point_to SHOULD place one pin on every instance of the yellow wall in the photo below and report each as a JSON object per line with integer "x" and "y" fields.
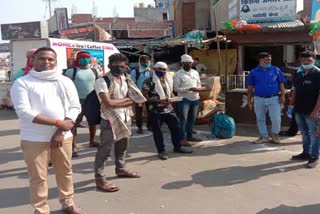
{"x": 210, "y": 59}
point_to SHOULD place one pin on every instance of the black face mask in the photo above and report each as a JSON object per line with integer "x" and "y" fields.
{"x": 117, "y": 70}
{"x": 186, "y": 67}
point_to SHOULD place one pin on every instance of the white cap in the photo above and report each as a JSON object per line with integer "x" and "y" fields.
{"x": 161, "y": 65}
{"x": 186, "y": 58}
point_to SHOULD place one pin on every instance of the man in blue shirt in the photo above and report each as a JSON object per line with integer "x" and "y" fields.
{"x": 265, "y": 82}
{"x": 138, "y": 76}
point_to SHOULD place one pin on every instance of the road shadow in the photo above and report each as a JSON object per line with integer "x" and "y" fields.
{"x": 214, "y": 148}
{"x": 234, "y": 175}
{"x": 11, "y": 154}
{"x": 283, "y": 209}
{"x": 9, "y": 132}
{"x": 21, "y": 194}
{"x": 8, "y": 114}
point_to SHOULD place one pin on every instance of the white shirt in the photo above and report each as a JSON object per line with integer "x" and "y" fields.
{"x": 122, "y": 87}
{"x": 32, "y": 96}
{"x": 183, "y": 81}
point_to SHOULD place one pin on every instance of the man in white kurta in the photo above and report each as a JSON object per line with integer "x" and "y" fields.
{"x": 47, "y": 105}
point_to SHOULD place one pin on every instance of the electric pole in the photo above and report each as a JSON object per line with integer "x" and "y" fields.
{"x": 50, "y": 8}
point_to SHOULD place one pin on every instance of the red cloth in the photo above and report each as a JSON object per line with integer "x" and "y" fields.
{"x": 79, "y": 56}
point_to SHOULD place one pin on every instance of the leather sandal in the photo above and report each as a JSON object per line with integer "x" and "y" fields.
{"x": 105, "y": 186}
{"x": 127, "y": 174}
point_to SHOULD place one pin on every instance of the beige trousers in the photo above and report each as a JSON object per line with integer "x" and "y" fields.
{"x": 37, "y": 156}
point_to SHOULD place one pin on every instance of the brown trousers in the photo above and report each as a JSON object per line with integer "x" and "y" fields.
{"x": 37, "y": 156}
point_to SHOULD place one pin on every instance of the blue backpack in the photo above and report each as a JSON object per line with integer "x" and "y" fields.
{"x": 222, "y": 126}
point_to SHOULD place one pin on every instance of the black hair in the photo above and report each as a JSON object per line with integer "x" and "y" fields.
{"x": 117, "y": 57}
{"x": 263, "y": 55}
{"x": 197, "y": 59}
{"x": 44, "y": 49}
{"x": 307, "y": 54}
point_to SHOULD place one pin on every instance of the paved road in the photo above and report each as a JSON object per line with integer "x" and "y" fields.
{"x": 221, "y": 176}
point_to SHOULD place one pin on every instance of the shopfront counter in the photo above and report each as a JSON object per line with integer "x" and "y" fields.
{"x": 235, "y": 107}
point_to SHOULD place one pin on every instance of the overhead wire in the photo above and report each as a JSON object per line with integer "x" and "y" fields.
{"x": 45, "y": 11}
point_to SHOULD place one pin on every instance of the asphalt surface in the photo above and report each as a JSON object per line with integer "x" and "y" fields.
{"x": 221, "y": 176}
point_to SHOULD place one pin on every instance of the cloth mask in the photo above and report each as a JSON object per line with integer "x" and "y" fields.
{"x": 145, "y": 65}
{"x": 117, "y": 70}
{"x": 84, "y": 61}
{"x": 187, "y": 67}
{"x": 267, "y": 65}
{"x": 160, "y": 73}
{"x": 307, "y": 66}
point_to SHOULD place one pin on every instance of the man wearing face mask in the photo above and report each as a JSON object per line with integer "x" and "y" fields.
{"x": 138, "y": 76}
{"x": 84, "y": 78}
{"x": 158, "y": 90}
{"x": 187, "y": 84}
{"x": 116, "y": 96}
{"x": 306, "y": 102}
{"x": 265, "y": 82}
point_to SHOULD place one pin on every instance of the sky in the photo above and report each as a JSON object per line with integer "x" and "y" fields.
{"x": 14, "y": 11}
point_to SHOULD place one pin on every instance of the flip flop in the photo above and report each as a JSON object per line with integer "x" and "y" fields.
{"x": 128, "y": 174}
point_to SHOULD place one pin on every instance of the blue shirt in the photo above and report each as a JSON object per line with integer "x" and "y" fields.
{"x": 265, "y": 82}
{"x": 84, "y": 81}
{"x": 142, "y": 77}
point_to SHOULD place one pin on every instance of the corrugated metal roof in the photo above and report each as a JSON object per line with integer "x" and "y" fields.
{"x": 280, "y": 26}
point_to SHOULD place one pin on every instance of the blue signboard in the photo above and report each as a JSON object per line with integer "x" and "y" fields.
{"x": 315, "y": 10}
{"x": 255, "y": 11}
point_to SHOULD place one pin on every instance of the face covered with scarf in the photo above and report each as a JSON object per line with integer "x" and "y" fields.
{"x": 186, "y": 62}
{"x": 83, "y": 59}
{"x": 117, "y": 68}
{"x": 160, "y": 69}
{"x": 29, "y": 64}
{"x": 144, "y": 63}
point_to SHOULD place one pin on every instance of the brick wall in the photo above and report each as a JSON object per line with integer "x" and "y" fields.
{"x": 81, "y": 18}
{"x": 146, "y": 33}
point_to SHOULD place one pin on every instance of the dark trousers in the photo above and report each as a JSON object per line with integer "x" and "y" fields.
{"x": 173, "y": 123}
{"x": 293, "y": 129}
{"x": 138, "y": 115}
{"x": 105, "y": 149}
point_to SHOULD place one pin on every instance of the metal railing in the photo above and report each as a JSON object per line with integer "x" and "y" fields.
{"x": 233, "y": 82}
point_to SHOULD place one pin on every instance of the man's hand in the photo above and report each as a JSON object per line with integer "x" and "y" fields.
{"x": 314, "y": 115}
{"x": 57, "y": 140}
{"x": 66, "y": 125}
{"x": 164, "y": 101}
{"x": 282, "y": 99}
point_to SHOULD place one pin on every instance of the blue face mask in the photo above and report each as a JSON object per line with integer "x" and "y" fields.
{"x": 160, "y": 73}
{"x": 307, "y": 66}
{"x": 267, "y": 65}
